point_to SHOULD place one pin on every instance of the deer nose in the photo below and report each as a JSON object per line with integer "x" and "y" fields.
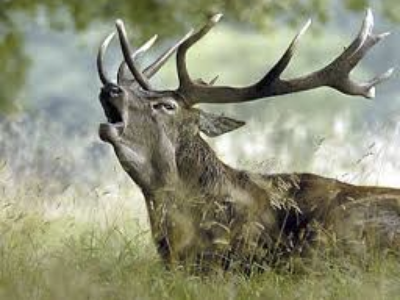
{"x": 115, "y": 91}
{"x": 111, "y": 90}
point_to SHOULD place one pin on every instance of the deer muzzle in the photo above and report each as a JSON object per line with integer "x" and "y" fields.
{"x": 112, "y": 98}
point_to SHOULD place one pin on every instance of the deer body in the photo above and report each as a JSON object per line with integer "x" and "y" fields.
{"x": 216, "y": 215}
{"x": 204, "y": 213}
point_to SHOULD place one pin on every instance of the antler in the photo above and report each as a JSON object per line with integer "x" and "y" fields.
{"x": 141, "y": 77}
{"x": 104, "y": 77}
{"x": 151, "y": 70}
{"x": 155, "y": 66}
{"x": 121, "y": 75}
{"x": 126, "y": 51}
{"x": 334, "y": 75}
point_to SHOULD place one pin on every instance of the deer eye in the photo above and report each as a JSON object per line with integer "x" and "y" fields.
{"x": 169, "y": 106}
{"x": 164, "y": 105}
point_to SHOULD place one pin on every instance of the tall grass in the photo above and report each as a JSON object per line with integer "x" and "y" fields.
{"x": 60, "y": 249}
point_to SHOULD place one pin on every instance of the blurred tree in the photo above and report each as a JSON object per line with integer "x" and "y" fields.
{"x": 14, "y": 65}
{"x": 166, "y": 17}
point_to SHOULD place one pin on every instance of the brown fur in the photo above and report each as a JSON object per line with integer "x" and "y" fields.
{"x": 221, "y": 216}
{"x": 205, "y": 214}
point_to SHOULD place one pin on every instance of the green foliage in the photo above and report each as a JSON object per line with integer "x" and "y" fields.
{"x": 172, "y": 14}
{"x": 13, "y": 70}
{"x": 167, "y": 18}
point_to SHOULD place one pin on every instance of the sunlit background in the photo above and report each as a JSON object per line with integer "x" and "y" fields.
{"x": 49, "y": 87}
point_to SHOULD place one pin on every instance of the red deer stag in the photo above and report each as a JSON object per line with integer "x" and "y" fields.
{"x": 204, "y": 213}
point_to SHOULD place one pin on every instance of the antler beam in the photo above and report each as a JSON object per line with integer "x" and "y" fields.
{"x": 335, "y": 75}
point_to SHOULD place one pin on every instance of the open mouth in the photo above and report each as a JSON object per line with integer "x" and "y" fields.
{"x": 110, "y": 98}
{"x": 115, "y": 125}
{"x": 112, "y": 113}
{"x": 112, "y": 101}
{"x": 115, "y": 120}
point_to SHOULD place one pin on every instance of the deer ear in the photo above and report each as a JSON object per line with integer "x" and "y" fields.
{"x": 214, "y": 125}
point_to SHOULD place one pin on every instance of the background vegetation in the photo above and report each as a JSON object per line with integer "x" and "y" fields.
{"x": 73, "y": 226}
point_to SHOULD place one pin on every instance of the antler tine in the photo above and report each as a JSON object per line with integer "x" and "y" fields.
{"x": 104, "y": 77}
{"x": 183, "y": 75}
{"x": 145, "y": 47}
{"x": 284, "y": 61}
{"x": 155, "y": 66}
{"x": 365, "y": 30}
{"x": 349, "y": 59}
{"x": 151, "y": 70}
{"x": 370, "y": 86}
{"x": 335, "y": 75}
{"x": 137, "y": 74}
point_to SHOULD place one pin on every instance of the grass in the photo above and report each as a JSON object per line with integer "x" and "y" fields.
{"x": 76, "y": 255}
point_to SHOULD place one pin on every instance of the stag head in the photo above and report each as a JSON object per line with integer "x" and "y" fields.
{"x": 146, "y": 126}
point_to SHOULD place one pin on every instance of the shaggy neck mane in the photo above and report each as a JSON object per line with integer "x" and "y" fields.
{"x": 199, "y": 166}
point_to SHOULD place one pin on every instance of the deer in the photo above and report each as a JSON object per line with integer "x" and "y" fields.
{"x": 206, "y": 215}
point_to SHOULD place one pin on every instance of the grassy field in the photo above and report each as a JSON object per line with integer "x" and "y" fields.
{"x": 62, "y": 248}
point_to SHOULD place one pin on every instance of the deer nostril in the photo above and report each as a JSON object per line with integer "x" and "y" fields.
{"x": 115, "y": 91}
{"x": 111, "y": 90}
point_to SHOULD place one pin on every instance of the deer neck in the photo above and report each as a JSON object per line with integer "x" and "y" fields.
{"x": 196, "y": 168}
{"x": 200, "y": 174}
{"x": 199, "y": 168}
